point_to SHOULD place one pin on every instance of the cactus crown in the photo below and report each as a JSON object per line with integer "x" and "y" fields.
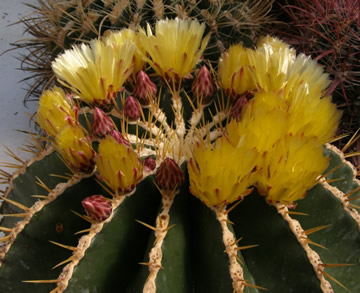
{"x": 249, "y": 152}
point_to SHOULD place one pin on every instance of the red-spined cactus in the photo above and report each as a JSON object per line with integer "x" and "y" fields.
{"x": 234, "y": 221}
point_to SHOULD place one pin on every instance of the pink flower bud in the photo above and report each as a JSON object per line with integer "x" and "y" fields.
{"x": 145, "y": 89}
{"x": 132, "y": 109}
{"x": 149, "y": 163}
{"x": 97, "y": 207}
{"x": 120, "y": 138}
{"x": 102, "y": 124}
{"x": 203, "y": 86}
{"x": 236, "y": 109}
{"x": 169, "y": 176}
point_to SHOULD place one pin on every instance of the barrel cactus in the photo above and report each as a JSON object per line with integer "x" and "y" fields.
{"x": 161, "y": 170}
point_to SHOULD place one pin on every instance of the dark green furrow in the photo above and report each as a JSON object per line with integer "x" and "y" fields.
{"x": 279, "y": 263}
{"x": 209, "y": 261}
{"x": 113, "y": 256}
{"x": 30, "y": 258}
{"x": 341, "y": 238}
{"x": 24, "y": 185}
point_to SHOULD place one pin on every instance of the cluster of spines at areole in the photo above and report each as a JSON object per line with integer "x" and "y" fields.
{"x": 262, "y": 132}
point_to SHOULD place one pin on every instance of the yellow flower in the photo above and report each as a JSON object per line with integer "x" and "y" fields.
{"x": 54, "y": 112}
{"x": 234, "y": 71}
{"x": 175, "y": 48}
{"x": 311, "y": 114}
{"x": 96, "y": 72}
{"x": 221, "y": 174}
{"x": 75, "y": 148}
{"x": 118, "y": 164}
{"x": 117, "y": 39}
{"x": 261, "y": 125}
{"x": 290, "y": 169}
{"x": 271, "y": 62}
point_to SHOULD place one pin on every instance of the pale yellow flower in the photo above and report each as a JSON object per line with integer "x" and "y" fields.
{"x": 96, "y": 72}
{"x": 74, "y": 146}
{"x": 222, "y": 173}
{"x": 271, "y": 62}
{"x": 263, "y": 123}
{"x": 175, "y": 48}
{"x": 291, "y": 168}
{"x": 54, "y": 112}
{"x": 118, "y": 164}
{"x": 117, "y": 39}
{"x": 234, "y": 71}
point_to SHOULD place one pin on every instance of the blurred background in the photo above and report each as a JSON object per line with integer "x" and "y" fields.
{"x": 12, "y": 110}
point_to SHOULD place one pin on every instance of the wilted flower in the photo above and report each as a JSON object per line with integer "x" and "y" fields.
{"x": 75, "y": 148}
{"x": 118, "y": 165}
{"x": 96, "y": 72}
{"x": 175, "y": 48}
{"x": 54, "y": 112}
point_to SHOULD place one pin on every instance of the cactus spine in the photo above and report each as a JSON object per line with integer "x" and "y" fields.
{"x": 220, "y": 189}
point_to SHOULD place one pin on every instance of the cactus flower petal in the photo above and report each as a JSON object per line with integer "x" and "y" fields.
{"x": 75, "y": 148}
{"x": 54, "y": 111}
{"x": 222, "y": 173}
{"x": 175, "y": 48}
{"x": 96, "y": 72}
{"x": 118, "y": 164}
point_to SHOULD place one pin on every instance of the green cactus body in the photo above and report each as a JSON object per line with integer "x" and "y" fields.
{"x": 217, "y": 207}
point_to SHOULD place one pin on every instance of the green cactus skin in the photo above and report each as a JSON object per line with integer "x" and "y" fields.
{"x": 176, "y": 244}
{"x": 193, "y": 257}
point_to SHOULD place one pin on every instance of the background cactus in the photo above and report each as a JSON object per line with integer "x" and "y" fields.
{"x": 157, "y": 235}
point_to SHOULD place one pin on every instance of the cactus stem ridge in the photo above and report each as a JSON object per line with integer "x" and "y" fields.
{"x": 162, "y": 227}
{"x": 85, "y": 242}
{"x": 53, "y": 194}
{"x": 231, "y": 248}
{"x": 301, "y": 236}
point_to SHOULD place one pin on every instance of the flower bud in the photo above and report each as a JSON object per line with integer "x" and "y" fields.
{"x": 118, "y": 165}
{"x": 203, "y": 86}
{"x": 120, "y": 138}
{"x": 132, "y": 109}
{"x": 102, "y": 124}
{"x": 169, "y": 176}
{"x": 236, "y": 109}
{"x": 75, "y": 148}
{"x": 149, "y": 163}
{"x": 145, "y": 89}
{"x": 97, "y": 207}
